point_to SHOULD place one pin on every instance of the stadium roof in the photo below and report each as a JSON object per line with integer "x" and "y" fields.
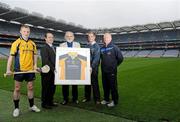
{"x": 22, "y": 16}
{"x": 35, "y": 19}
{"x": 142, "y": 28}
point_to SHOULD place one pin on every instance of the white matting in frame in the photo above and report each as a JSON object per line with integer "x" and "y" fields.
{"x": 72, "y": 66}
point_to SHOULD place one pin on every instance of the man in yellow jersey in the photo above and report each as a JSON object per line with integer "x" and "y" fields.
{"x": 24, "y": 53}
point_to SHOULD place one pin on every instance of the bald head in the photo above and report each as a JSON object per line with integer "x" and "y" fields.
{"x": 107, "y": 38}
{"x": 69, "y": 36}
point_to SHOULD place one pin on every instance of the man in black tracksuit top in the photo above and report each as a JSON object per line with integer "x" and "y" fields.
{"x": 111, "y": 58}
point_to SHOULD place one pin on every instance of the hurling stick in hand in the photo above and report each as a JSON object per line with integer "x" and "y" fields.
{"x": 44, "y": 69}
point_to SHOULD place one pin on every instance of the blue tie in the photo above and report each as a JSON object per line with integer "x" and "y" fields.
{"x": 69, "y": 44}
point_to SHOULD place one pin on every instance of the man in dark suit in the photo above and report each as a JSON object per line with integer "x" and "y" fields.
{"x": 47, "y": 80}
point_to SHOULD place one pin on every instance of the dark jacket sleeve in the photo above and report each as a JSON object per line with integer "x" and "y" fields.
{"x": 96, "y": 59}
{"x": 45, "y": 58}
{"x": 119, "y": 56}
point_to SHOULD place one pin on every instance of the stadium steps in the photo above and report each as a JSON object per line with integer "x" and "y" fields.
{"x": 125, "y": 53}
{"x": 135, "y": 55}
{"x": 4, "y": 55}
{"x": 148, "y": 53}
{"x": 163, "y": 53}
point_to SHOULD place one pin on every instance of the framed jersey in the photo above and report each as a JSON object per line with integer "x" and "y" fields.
{"x": 72, "y": 66}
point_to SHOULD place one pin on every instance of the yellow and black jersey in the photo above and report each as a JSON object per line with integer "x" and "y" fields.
{"x": 72, "y": 66}
{"x": 24, "y": 52}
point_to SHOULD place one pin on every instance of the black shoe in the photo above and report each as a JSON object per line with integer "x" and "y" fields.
{"x": 85, "y": 100}
{"x": 46, "y": 106}
{"x": 98, "y": 102}
{"x": 64, "y": 102}
{"x": 54, "y": 104}
{"x": 76, "y": 101}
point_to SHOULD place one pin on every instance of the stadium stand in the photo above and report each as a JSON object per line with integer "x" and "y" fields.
{"x": 131, "y": 53}
{"x": 156, "y": 53}
{"x": 171, "y": 53}
{"x": 4, "y": 51}
{"x": 124, "y": 52}
{"x": 143, "y": 53}
{"x": 2, "y": 56}
{"x": 150, "y": 40}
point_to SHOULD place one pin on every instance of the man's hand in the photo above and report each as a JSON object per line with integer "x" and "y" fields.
{"x": 9, "y": 72}
{"x": 9, "y": 63}
{"x": 91, "y": 70}
{"x": 55, "y": 71}
{"x": 35, "y": 67}
{"x": 38, "y": 69}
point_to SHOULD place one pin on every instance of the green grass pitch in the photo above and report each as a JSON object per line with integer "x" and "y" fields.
{"x": 149, "y": 90}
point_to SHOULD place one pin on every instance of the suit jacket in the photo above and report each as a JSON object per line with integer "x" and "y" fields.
{"x": 75, "y": 44}
{"x": 48, "y": 57}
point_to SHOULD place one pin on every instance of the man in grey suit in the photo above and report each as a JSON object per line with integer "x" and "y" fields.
{"x": 70, "y": 43}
